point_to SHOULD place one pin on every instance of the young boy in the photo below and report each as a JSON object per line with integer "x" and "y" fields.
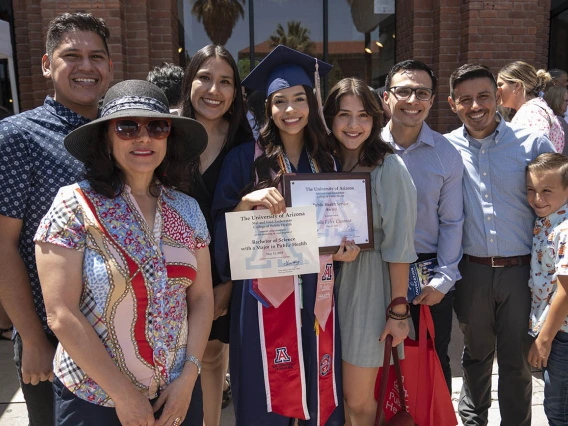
{"x": 547, "y": 193}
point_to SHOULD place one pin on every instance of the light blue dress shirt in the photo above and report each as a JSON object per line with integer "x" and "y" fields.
{"x": 436, "y": 168}
{"x": 498, "y": 218}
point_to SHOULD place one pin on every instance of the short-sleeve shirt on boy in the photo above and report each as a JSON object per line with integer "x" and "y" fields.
{"x": 548, "y": 261}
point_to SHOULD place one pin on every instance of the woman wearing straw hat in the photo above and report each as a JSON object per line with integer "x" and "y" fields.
{"x": 124, "y": 267}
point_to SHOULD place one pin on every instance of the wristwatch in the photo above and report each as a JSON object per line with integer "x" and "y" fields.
{"x": 197, "y": 363}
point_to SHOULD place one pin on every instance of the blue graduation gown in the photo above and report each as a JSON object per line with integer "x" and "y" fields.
{"x": 247, "y": 380}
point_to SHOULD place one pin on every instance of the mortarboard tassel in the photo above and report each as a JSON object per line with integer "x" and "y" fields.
{"x": 318, "y": 97}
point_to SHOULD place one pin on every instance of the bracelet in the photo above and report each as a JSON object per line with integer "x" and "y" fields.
{"x": 398, "y": 317}
{"x": 396, "y": 302}
{"x": 197, "y": 363}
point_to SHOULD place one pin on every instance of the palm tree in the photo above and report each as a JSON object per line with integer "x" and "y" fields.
{"x": 297, "y": 37}
{"x": 219, "y": 17}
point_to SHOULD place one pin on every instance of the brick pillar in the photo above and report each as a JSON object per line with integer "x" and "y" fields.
{"x": 447, "y": 33}
{"x": 27, "y": 14}
{"x": 144, "y": 33}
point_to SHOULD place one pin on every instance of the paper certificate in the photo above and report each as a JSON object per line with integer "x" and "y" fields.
{"x": 263, "y": 245}
{"x": 343, "y": 206}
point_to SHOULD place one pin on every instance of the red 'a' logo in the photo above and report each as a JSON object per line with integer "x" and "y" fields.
{"x": 282, "y": 356}
{"x": 327, "y": 272}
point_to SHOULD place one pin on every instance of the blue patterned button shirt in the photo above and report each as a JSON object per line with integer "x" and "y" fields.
{"x": 498, "y": 218}
{"x": 33, "y": 166}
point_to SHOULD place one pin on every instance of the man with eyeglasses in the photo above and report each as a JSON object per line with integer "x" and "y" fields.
{"x": 493, "y": 298}
{"x": 436, "y": 168}
{"x": 33, "y": 166}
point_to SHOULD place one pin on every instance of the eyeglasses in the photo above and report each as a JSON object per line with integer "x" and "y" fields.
{"x": 128, "y": 128}
{"x": 402, "y": 93}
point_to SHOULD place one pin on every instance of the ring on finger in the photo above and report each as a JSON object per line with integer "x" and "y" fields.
{"x": 177, "y": 421}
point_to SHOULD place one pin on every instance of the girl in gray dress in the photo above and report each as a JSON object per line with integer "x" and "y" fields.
{"x": 367, "y": 286}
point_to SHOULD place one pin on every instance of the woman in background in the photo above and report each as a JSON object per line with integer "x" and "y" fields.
{"x": 557, "y": 99}
{"x": 520, "y": 86}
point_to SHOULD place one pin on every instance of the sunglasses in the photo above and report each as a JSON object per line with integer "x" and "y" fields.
{"x": 128, "y": 128}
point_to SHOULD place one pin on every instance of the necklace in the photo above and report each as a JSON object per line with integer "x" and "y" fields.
{"x": 353, "y": 168}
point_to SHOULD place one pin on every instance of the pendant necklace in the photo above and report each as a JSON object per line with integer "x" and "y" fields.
{"x": 353, "y": 168}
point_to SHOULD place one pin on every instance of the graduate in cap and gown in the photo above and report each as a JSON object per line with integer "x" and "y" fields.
{"x": 285, "y": 355}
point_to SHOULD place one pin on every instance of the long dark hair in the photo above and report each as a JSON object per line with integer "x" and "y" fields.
{"x": 236, "y": 115}
{"x": 374, "y": 148}
{"x": 315, "y": 142}
{"x": 108, "y": 179}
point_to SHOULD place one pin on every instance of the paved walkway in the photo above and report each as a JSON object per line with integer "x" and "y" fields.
{"x": 13, "y": 409}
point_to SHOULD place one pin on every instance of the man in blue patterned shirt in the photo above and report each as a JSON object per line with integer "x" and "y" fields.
{"x": 493, "y": 299}
{"x": 33, "y": 166}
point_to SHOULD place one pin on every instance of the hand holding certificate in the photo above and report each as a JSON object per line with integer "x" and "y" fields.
{"x": 263, "y": 245}
{"x": 342, "y": 202}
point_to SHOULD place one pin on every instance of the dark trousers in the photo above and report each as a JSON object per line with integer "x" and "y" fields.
{"x": 442, "y": 316}
{"x": 70, "y": 410}
{"x": 39, "y": 398}
{"x": 493, "y": 306}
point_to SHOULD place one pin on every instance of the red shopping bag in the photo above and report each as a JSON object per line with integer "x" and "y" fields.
{"x": 426, "y": 394}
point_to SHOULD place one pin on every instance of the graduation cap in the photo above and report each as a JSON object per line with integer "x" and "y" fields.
{"x": 285, "y": 67}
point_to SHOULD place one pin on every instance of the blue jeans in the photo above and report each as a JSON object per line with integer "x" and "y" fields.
{"x": 556, "y": 382}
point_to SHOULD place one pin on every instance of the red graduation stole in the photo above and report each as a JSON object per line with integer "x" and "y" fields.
{"x": 279, "y": 318}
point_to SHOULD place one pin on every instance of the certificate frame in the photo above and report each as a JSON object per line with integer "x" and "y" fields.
{"x": 338, "y": 180}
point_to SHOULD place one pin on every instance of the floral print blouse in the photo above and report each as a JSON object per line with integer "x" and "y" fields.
{"x": 536, "y": 113}
{"x": 548, "y": 261}
{"x": 134, "y": 281}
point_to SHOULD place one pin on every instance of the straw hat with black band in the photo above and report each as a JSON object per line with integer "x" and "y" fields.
{"x": 137, "y": 98}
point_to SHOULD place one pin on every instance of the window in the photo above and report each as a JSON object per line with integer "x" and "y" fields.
{"x": 558, "y": 55}
{"x": 356, "y": 40}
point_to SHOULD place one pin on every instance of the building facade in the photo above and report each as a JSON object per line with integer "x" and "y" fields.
{"x": 361, "y": 38}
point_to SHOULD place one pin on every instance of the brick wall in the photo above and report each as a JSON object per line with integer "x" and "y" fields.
{"x": 448, "y": 33}
{"x": 144, "y": 33}
{"x": 442, "y": 33}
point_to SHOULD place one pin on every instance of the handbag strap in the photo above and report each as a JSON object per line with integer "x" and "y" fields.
{"x": 389, "y": 350}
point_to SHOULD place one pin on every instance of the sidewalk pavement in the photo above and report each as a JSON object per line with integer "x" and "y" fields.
{"x": 13, "y": 409}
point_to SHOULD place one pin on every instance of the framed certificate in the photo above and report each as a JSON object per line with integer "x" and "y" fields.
{"x": 343, "y": 206}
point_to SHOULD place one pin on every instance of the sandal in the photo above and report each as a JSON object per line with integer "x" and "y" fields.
{"x": 6, "y": 330}
{"x": 227, "y": 393}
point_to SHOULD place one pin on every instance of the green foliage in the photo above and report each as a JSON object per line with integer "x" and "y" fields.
{"x": 219, "y": 17}
{"x": 297, "y": 37}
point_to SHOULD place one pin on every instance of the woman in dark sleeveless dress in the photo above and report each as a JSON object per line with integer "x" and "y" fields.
{"x": 212, "y": 95}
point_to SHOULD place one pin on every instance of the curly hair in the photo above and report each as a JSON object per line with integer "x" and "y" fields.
{"x": 315, "y": 142}
{"x": 107, "y": 178}
{"x": 169, "y": 78}
{"x": 374, "y": 148}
